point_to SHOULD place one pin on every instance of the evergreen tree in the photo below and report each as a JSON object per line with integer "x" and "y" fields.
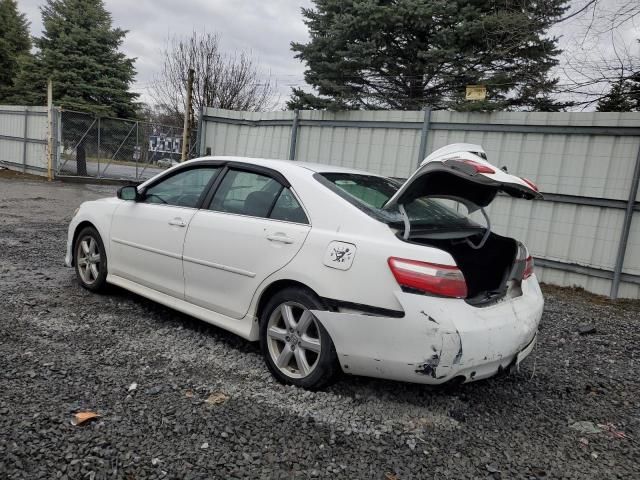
{"x": 79, "y": 51}
{"x": 407, "y": 54}
{"x": 15, "y": 46}
{"x": 624, "y": 95}
{"x": 618, "y": 99}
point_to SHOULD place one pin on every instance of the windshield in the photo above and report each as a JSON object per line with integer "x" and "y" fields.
{"x": 369, "y": 193}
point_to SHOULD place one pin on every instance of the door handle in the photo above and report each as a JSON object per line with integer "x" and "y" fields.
{"x": 280, "y": 238}
{"x": 178, "y": 222}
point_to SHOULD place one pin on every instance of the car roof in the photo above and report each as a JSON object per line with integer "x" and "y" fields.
{"x": 286, "y": 165}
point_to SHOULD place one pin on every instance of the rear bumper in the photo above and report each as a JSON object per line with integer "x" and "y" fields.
{"x": 438, "y": 339}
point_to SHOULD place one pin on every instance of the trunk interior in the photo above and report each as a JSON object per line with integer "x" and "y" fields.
{"x": 486, "y": 270}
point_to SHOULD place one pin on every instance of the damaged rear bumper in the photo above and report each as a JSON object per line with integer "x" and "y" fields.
{"x": 438, "y": 339}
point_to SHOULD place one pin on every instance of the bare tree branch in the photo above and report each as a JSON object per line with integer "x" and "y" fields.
{"x": 226, "y": 81}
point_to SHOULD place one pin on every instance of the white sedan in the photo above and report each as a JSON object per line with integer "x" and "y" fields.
{"x": 329, "y": 268}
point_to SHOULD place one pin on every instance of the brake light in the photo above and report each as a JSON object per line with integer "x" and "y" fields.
{"x": 528, "y": 267}
{"x": 442, "y": 280}
{"x": 479, "y": 167}
{"x": 530, "y": 183}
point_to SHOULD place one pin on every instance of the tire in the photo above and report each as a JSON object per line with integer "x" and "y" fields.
{"x": 90, "y": 260}
{"x": 296, "y": 347}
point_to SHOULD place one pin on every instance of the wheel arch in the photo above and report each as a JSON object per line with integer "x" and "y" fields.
{"x": 276, "y": 286}
{"x": 76, "y": 232}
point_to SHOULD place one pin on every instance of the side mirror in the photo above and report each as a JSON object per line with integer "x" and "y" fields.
{"x": 128, "y": 192}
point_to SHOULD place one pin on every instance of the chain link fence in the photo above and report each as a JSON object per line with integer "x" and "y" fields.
{"x": 114, "y": 148}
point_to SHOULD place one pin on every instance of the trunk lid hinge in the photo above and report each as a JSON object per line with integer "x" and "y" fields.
{"x": 407, "y": 223}
{"x": 486, "y": 233}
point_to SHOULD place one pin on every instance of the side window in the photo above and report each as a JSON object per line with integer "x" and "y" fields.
{"x": 288, "y": 209}
{"x": 182, "y": 189}
{"x": 246, "y": 193}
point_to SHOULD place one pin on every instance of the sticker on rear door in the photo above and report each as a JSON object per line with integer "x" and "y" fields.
{"x": 340, "y": 255}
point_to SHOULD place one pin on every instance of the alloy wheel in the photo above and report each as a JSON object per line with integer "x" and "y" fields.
{"x": 88, "y": 258}
{"x": 293, "y": 340}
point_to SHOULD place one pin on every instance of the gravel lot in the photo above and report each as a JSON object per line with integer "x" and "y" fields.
{"x": 64, "y": 350}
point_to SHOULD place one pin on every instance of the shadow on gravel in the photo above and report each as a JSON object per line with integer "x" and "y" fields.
{"x": 356, "y": 388}
{"x": 167, "y": 317}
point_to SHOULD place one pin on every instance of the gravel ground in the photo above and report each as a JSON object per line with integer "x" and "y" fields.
{"x": 64, "y": 350}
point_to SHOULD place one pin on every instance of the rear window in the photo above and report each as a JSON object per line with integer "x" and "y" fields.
{"x": 369, "y": 193}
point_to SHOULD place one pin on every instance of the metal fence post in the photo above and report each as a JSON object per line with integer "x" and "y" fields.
{"x": 50, "y": 130}
{"x": 56, "y": 140}
{"x": 139, "y": 154}
{"x": 294, "y": 135}
{"x": 25, "y": 139}
{"x": 424, "y": 135}
{"x": 626, "y": 226}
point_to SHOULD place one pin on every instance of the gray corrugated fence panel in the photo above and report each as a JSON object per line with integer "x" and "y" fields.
{"x": 23, "y": 138}
{"x": 270, "y": 139}
{"x": 567, "y": 233}
{"x": 584, "y": 162}
{"x": 581, "y": 165}
{"x": 390, "y": 152}
{"x": 626, "y": 227}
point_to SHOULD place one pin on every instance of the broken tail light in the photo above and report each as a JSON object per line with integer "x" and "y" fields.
{"x": 442, "y": 280}
{"x": 530, "y": 183}
{"x": 528, "y": 267}
{"x": 479, "y": 167}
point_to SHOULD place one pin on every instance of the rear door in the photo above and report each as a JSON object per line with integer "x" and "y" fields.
{"x": 462, "y": 173}
{"x": 251, "y": 227}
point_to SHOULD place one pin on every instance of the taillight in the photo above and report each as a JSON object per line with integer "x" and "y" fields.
{"x": 431, "y": 278}
{"x": 528, "y": 267}
{"x": 530, "y": 183}
{"x": 479, "y": 167}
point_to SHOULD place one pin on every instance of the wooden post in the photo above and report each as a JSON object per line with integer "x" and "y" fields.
{"x": 186, "y": 134}
{"x": 50, "y": 130}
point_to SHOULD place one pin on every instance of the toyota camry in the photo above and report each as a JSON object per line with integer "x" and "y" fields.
{"x": 330, "y": 269}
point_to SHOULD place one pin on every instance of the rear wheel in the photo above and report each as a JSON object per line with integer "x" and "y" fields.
{"x": 90, "y": 260}
{"x": 296, "y": 347}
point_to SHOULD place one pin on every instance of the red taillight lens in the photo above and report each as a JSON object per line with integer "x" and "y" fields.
{"x": 528, "y": 267}
{"x": 530, "y": 183}
{"x": 429, "y": 277}
{"x": 479, "y": 167}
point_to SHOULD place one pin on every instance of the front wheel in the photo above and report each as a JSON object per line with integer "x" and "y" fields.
{"x": 90, "y": 260}
{"x": 296, "y": 347}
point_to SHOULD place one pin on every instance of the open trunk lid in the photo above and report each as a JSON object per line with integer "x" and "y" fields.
{"x": 461, "y": 172}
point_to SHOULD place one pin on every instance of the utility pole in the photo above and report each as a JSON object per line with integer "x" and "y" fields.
{"x": 186, "y": 134}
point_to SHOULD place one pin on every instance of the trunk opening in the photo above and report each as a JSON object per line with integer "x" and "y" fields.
{"x": 486, "y": 270}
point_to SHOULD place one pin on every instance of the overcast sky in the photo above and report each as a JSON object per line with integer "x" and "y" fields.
{"x": 266, "y": 28}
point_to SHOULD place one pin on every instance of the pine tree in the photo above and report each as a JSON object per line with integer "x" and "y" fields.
{"x": 623, "y": 96}
{"x": 80, "y": 51}
{"x": 408, "y": 54}
{"x": 15, "y": 46}
{"x": 618, "y": 99}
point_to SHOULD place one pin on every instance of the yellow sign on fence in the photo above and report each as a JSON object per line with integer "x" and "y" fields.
{"x": 476, "y": 92}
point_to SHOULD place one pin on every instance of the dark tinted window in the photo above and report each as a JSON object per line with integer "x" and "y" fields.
{"x": 246, "y": 193}
{"x": 370, "y": 193}
{"x": 288, "y": 209}
{"x": 182, "y": 189}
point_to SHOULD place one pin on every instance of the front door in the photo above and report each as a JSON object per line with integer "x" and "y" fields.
{"x": 147, "y": 236}
{"x": 253, "y": 226}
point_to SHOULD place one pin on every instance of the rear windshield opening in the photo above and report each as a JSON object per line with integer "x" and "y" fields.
{"x": 369, "y": 193}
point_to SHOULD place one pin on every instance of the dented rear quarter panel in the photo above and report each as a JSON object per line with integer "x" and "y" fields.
{"x": 437, "y": 339}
